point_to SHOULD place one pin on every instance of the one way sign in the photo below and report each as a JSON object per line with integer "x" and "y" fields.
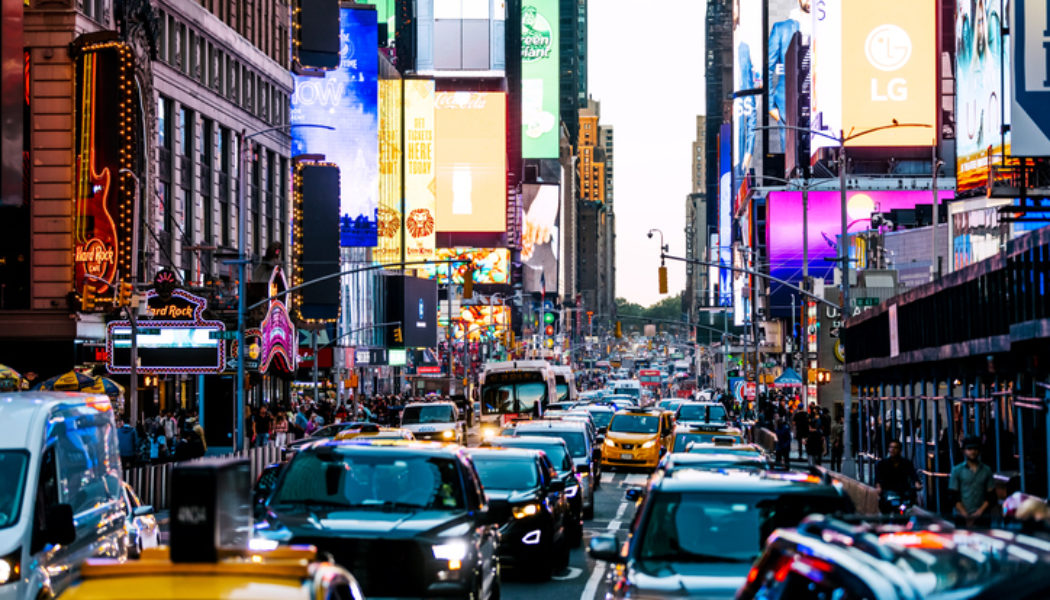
{"x": 1030, "y": 83}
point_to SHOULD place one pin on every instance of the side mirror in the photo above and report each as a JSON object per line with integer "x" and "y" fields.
{"x": 143, "y": 511}
{"x": 605, "y": 548}
{"x": 634, "y": 494}
{"x": 557, "y": 485}
{"x": 58, "y": 524}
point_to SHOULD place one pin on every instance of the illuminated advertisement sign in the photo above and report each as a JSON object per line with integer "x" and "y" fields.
{"x": 980, "y": 92}
{"x": 747, "y": 75}
{"x": 388, "y": 250}
{"x": 539, "y": 244}
{"x": 491, "y": 265}
{"x": 413, "y": 302}
{"x": 1030, "y": 81}
{"x": 481, "y": 323}
{"x": 420, "y": 182}
{"x": 346, "y": 99}
{"x": 539, "y": 79}
{"x": 875, "y": 63}
{"x": 786, "y": 18}
{"x": 471, "y": 161}
{"x": 278, "y": 334}
{"x": 102, "y": 195}
{"x": 784, "y": 224}
{"x": 725, "y": 215}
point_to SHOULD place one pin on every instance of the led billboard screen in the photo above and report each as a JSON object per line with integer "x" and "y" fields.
{"x": 785, "y": 18}
{"x": 725, "y": 214}
{"x": 315, "y": 241}
{"x": 420, "y": 182}
{"x": 747, "y": 75}
{"x": 784, "y": 224}
{"x": 1030, "y": 80}
{"x": 167, "y": 348}
{"x": 413, "y": 302}
{"x": 388, "y": 249}
{"x": 481, "y": 323}
{"x": 539, "y": 79}
{"x": 539, "y": 244}
{"x": 491, "y": 265}
{"x": 471, "y": 161}
{"x": 346, "y": 99}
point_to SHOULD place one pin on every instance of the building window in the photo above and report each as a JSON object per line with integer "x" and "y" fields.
{"x": 186, "y": 146}
{"x": 282, "y": 203}
{"x": 164, "y": 154}
{"x": 222, "y": 150}
{"x": 271, "y": 183}
{"x": 256, "y": 211}
{"x": 207, "y": 157}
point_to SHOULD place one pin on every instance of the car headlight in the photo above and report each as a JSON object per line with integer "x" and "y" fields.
{"x": 489, "y": 432}
{"x": 454, "y": 550}
{"x": 571, "y": 491}
{"x": 448, "y": 434}
{"x": 520, "y": 512}
{"x": 610, "y": 443}
{"x": 649, "y": 444}
{"x": 10, "y": 567}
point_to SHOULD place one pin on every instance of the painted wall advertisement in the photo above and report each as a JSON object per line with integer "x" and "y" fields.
{"x": 539, "y": 79}
{"x": 471, "y": 161}
{"x": 539, "y": 245}
{"x": 420, "y": 178}
{"x": 1030, "y": 100}
{"x": 347, "y": 100}
{"x": 747, "y": 75}
{"x": 388, "y": 249}
{"x": 981, "y": 95}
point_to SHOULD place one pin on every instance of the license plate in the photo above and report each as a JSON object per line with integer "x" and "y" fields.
{"x": 627, "y": 456}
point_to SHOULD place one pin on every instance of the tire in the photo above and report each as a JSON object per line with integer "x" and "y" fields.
{"x": 563, "y": 554}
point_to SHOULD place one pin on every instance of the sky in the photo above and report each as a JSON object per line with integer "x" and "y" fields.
{"x": 650, "y": 82}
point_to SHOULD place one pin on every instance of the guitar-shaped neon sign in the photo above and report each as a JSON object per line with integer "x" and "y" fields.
{"x": 95, "y": 234}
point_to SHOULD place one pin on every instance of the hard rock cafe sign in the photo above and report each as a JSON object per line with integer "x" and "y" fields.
{"x": 278, "y": 336}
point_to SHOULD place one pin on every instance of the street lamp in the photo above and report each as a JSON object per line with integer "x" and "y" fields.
{"x": 242, "y": 261}
{"x": 133, "y": 387}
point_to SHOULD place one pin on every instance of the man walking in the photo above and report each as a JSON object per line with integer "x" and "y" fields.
{"x": 971, "y": 481}
{"x": 801, "y": 430}
{"x": 783, "y": 447}
{"x": 895, "y": 474}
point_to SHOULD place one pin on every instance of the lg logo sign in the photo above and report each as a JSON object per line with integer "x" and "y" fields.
{"x": 888, "y": 49}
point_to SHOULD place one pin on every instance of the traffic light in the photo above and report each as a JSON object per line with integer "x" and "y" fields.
{"x": 87, "y": 298}
{"x": 124, "y": 294}
{"x": 468, "y": 283}
{"x": 619, "y": 330}
{"x": 823, "y": 376}
{"x": 663, "y": 279}
{"x": 397, "y": 335}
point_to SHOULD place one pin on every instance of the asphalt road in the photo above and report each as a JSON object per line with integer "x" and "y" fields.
{"x": 585, "y": 579}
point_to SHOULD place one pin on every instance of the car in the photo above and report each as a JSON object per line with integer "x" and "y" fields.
{"x": 140, "y": 523}
{"x": 701, "y": 413}
{"x": 679, "y": 460}
{"x": 670, "y": 404}
{"x": 728, "y": 446}
{"x": 525, "y": 491}
{"x": 560, "y": 406}
{"x": 328, "y": 432}
{"x": 620, "y": 401}
{"x": 917, "y": 557}
{"x": 557, "y": 452}
{"x": 601, "y": 414}
{"x": 61, "y": 498}
{"x": 696, "y": 533}
{"x": 585, "y": 456}
{"x": 685, "y": 434}
{"x": 437, "y": 421}
{"x": 406, "y": 518}
{"x": 637, "y": 438}
{"x": 377, "y": 433}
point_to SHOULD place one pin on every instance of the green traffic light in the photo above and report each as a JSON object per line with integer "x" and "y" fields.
{"x": 548, "y": 317}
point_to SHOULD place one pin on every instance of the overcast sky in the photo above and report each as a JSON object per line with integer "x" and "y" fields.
{"x": 645, "y": 65}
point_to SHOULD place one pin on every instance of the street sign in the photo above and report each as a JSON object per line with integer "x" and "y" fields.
{"x": 865, "y": 301}
{"x": 223, "y": 335}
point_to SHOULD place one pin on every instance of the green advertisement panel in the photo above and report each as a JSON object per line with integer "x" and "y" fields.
{"x": 539, "y": 79}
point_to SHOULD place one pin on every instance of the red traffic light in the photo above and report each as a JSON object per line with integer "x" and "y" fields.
{"x": 549, "y": 330}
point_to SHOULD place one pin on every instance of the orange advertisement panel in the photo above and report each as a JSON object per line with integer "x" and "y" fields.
{"x": 388, "y": 248}
{"x": 889, "y": 71}
{"x": 471, "y": 161}
{"x": 420, "y": 178}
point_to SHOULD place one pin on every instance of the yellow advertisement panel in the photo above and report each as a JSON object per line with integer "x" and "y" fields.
{"x": 471, "y": 161}
{"x": 388, "y": 250}
{"x": 420, "y": 178}
{"x": 889, "y": 71}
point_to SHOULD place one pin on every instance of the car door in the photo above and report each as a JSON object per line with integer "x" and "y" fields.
{"x": 488, "y": 534}
{"x": 556, "y": 500}
{"x": 666, "y": 432}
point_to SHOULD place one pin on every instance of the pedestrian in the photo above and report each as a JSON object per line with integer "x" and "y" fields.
{"x": 815, "y": 443}
{"x": 280, "y": 429}
{"x": 837, "y": 444}
{"x": 170, "y": 425}
{"x": 128, "y": 443}
{"x": 801, "y": 430}
{"x": 971, "y": 481}
{"x": 783, "y": 445}
{"x": 263, "y": 426}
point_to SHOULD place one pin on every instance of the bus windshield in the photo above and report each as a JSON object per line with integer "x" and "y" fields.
{"x": 562, "y": 390}
{"x": 517, "y": 395}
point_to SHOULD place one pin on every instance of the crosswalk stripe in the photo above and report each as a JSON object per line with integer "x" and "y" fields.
{"x": 636, "y": 479}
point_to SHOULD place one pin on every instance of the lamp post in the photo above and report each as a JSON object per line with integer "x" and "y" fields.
{"x": 242, "y": 261}
{"x": 133, "y": 386}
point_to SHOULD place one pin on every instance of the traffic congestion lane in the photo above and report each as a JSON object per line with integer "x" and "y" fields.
{"x": 585, "y": 579}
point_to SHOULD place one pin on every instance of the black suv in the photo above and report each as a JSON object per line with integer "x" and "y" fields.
{"x": 897, "y": 559}
{"x": 697, "y": 532}
{"x": 525, "y": 492}
{"x": 406, "y": 518}
{"x": 585, "y": 455}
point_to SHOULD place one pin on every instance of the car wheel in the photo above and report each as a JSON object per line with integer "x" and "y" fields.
{"x": 563, "y": 553}
{"x": 544, "y": 567}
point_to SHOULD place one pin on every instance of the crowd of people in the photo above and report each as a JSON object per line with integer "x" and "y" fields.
{"x": 170, "y": 436}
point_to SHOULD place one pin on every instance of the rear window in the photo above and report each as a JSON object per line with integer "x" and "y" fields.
{"x": 556, "y": 452}
{"x": 573, "y": 439}
{"x": 504, "y": 474}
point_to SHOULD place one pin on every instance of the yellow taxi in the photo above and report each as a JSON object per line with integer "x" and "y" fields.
{"x": 685, "y": 434}
{"x": 377, "y": 433}
{"x": 284, "y": 573}
{"x": 638, "y": 437}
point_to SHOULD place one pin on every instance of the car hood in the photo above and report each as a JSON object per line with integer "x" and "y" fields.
{"x": 342, "y": 522}
{"x": 428, "y": 427}
{"x": 706, "y": 581}
{"x": 630, "y": 438}
{"x": 510, "y": 496}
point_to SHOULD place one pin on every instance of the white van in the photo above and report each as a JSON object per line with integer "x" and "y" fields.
{"x": 60, "y": 490}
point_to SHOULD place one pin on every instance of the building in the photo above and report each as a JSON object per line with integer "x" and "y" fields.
{"x": 573, "y": 68}
{"x": 607, "y": 296}
{"x": 697, "y": 228}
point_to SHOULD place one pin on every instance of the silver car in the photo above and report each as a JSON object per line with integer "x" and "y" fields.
{"x": 140, "y": 523}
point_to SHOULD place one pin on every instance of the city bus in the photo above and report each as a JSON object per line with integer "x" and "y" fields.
{"x": 565, "y": 384}
{"x": 514, "y": 390}
{"x": 651, "y": 379}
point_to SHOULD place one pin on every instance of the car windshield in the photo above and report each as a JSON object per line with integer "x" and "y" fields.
{"x": 707, "y": 413}
{"x": 669, "y": 404}
{"x": 556, "y": 452}
{"x": 13, "y": 465}
{"x": 340, "y": 478}
{"x": 439, "y": 413}
{"x": 513, "y": 398}
{"x": 634, "y": 424}
{"x": 504, "y": 474}
{"x": 601, "y": 418}
{"x": 722, "y": 527}
{"x": 573, "y": 439}
{"x": 329, "y": 431}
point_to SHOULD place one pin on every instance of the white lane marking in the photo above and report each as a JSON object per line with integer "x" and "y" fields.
{"x": 636, "y": 479}
{"x": 616, "y": 523}
{"x": 620, "y": 510}
{"x": 608, "y": 476}
{"x": 591, "y": 589}
{"x": 572, "y": 574}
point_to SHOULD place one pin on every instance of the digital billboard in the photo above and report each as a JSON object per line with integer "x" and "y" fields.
{"x": 481, "y": 323}
{"x": 315, "y": 240}
{"x": 388, "y": 249}
{"x": 725, "y": 215}
{"x": 747, "y": 75}
{"x": 982, "y": 91}
{"x": 786, "y": 18}
{"x": 471, "y": 161}
{"x": 412, "y": 302}
{"x": 1030, "y": 80}
{"x": 882, "y": 58}
{"x": 539, "y": 79}
{"x": 346, "y": 99}
{"x": 539, "y": 242}
{"x": 491, "y": 265}
{"x": 420, "y": 178}
{"x": 784, "y": 224}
